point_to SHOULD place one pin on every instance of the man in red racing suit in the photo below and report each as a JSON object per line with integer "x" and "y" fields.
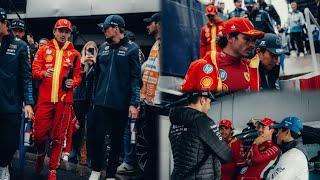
{"x": 235, "y": 72}
{"x": 229, "y": 170}
{"x": 210, "y": 32}
{"x": 51, "y": 65}
{"x": 262, "y": 154}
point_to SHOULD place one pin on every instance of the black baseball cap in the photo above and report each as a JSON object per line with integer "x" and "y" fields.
{"x": 249, "y": 2}
{"x": 3, "y": 14}
{"x": 18, "y": 24}
{"x": 156, "y": 17}
{"x": 113, "y": 20}
{"x": 272, "y": 43}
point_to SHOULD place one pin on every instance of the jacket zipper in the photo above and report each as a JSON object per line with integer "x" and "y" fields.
{"x": 105, "y": 97}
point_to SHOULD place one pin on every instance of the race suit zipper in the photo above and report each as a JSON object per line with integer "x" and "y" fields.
{"x": 105, "y": 97}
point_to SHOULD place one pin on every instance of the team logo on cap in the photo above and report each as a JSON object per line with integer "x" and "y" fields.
{"x": 206, "y": 82}
{"x": 233, "y": 28}
{"x": 246, "y": 76}
{"x": 223, "y": 74}
{"x": 263, "y": 43}
{"x": 207, "y": 68}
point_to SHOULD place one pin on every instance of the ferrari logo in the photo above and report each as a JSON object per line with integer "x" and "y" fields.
{"x": 246, "y": 76}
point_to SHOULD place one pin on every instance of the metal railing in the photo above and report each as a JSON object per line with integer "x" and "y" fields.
{"x": 309, "y": 18}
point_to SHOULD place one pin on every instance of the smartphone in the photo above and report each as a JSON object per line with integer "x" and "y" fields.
{"x": 91, "y": 50}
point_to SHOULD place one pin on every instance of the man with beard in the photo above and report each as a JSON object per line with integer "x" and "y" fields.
{"x": 269, "y": 49}
{"x": 229, "y": 170}
{"x": 269, "y": 8}
{"x": 238, "y": 11}
{"x": 197, "y": 145}
{"x": 293, "y": 162}
{"x": 210, "y": 31}
{"x": 262, "y": 153}
{"x": 15, "y": 89}
{"x": 54, "y": 112}
{"x": 236, "y": 72}
{"x": 116, "y": 94}
{"x": 259, "y": 18}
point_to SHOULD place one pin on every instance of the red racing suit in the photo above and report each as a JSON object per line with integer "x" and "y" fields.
{"x": 209, "y": 36}
{"x": 238, "y": 74}
{"x": 53, "y": 112}
{"x": 259, "y": 159}
{"x": 229, "y": 170}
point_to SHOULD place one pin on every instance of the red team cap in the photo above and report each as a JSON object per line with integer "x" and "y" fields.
{"x": 200, "y": 78}
{"x": 63, "y": 23}
{"x": 226, "y": 123}
{"x": 211, "y": 10}
{"x": 266, "y": 122}
{"x": 243, "y": 26}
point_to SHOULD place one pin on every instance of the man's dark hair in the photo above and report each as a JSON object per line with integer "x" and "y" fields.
{"x": 193, "y": 99}
{"x": 223, "y": 40}
{"x": 234, "y": 1}
{"x": 293, "y": 134}
{"x": 121, "y": 29}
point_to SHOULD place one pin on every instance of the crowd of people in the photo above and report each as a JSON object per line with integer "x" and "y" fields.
{"x": 293, "y": 32}
{"x": 78, "y": 102}
{"x": 239, "y": 51}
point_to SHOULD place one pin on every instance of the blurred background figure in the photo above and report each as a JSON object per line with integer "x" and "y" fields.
{"x": 238, "y": 11}
{"x": 296, "y": 22}
{"x": 83, "y": 102}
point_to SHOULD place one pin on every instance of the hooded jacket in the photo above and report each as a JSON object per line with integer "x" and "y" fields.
{"x": 197, "y": 145}
{"x": 61, "y": 60}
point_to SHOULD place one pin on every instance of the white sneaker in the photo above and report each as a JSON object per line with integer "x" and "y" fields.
{"x": 293, "y": 53}
{"x": 4, "y": 173}
{"x": 95, "y": 175}
{"x": 110, "y": 178}
{"x": 125, "y": 168}
{"x": 301, "y": 54}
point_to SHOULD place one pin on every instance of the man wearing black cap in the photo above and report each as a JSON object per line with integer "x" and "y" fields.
{"x": 259, "y": 18}
{"x": 238, "y": 11}
{"x": 269, "y": 8}
{"x": 18, "y": 28}
{"x": 116, "y": 94}
{"x": 197, "y": 145}
{"x": 15, "y": 89}
{"x": 269, "y": 49}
